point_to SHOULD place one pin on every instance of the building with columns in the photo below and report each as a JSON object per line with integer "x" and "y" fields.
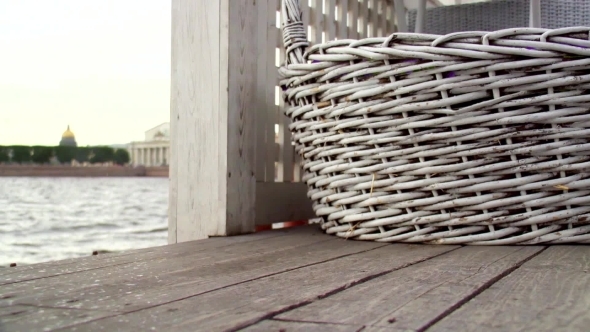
{"x": 154, "y": 150}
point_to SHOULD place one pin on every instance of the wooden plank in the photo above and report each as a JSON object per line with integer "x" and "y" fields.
{"x": 319, "y": 22}
{"x": 30, "y": 318}
{"x": 353, "y": 8}
{"x": 245, "y": 304}
{"x": 306, "y": 14}
{"x": 551, "y": 292}
{"x": 73, "y": 265}
{"x": 409, "y": 299}
{"x": 373, "y": 20}
{"x": 385, "y": 14}
{"x": 420, "y": 17}
{"x": 342, "y": 20}
{"x": 277, "y": 325}
{"x": 390, "y": 24}
{"x": 400, "y": 15}
{"x": 196, "y": 252}
{"x": 144, "y": 284}
{"x": 266, "y": 53}
{"x": 285, "y": 169}
{"x": 364, "y": 16}
{"x": 213, "y": 93}
{"x": 238, "y": 80}
{"x": 173, "y": 172}
{"x": 330, "y": 20}
{"x": 273, "y": 34}
{"x": 282, "y": 201}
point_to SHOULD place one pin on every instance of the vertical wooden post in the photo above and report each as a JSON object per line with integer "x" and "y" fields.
{"x": 421, "y": 17}
{"x": 213, "y": 105}
{"x": 400, "y": 15}
{"x": 535, "y": 14}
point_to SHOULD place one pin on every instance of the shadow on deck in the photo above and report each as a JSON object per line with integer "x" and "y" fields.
{"x": 299, "y": 279}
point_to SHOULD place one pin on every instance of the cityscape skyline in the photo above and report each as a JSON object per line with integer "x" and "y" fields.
{"x": 101, "y": 67}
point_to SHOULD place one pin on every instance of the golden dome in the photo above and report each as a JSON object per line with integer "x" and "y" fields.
{"x": 67, "y": 133}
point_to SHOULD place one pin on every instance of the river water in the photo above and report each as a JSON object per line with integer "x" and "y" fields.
{"x": 45, "y": 219}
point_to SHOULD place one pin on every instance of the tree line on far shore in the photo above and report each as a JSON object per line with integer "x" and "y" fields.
{"x": 20, "y": 154}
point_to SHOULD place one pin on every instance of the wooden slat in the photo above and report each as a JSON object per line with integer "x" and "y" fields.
{"x": 311, "y": 35}
{"x": 30, "y": 318}
{"x": 306, "y": 13}
{"x": 385, "y": 14}
{"x": 343, "y": 16}
{"x": 318, "y": 23}
{"x": 166, "y": 279}
{"x": 330, "y": 20}
{"x": 272, "y": 33}
{"x": 382, "y": 21}
{"x": 74, "y": 265}
{"x": 173, "y": 165}
{"x": 411, "y": 298}
{"x": 373, "y": 17}
{"x": 353, "y": 6}
{"x": 285, "y": 171}
{"x": 551, "y": 292}
{"x": 420, "y": 17}
{"x": 215, "y": 132}
{"x": 364, "y": 15}
{"x": 282, "y": 201}
{"x": 400, "y": 15}
{"x": 245, "y": 304}
{"x": 265, "y": 54}
{"x": 277, "y": 325}
{"x": 390, "y": 24}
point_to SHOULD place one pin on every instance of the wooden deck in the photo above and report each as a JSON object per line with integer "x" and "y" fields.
{"x": 302, "y": 280}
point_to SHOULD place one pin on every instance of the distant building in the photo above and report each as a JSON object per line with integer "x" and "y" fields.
{"x": 154, "y": 150}
{"x": 68, "y": 138}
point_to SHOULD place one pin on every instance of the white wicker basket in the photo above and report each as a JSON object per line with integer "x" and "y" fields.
{"x": 477, "y": 138}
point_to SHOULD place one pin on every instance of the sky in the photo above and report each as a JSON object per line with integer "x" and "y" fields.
{"x": 100, "y": 66}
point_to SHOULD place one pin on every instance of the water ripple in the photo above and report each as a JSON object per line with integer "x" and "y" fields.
{"x": 44, "y": 219}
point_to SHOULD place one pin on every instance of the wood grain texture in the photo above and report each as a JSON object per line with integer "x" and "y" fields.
{"x": 261, "y": 87}
{"x": 134, "y": 286}
{"x": 245, "y": 304}
{"x": 74, "y": 265}
{"x": 412, "y": 297}
{"x": 213, "y": 97}
{"x": 240, "y": 81}
{"x": 551, "y": 292}
{"x": 285, "y": 169}
{"x": 22, "y": 318}
{"x": 302, "y": 279}
{"x": 276, "y": 326}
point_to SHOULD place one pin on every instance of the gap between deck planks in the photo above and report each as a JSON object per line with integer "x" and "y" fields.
{"x": 415, "y": 297}
{"x": 302, "y": 281}
{"x": 125, "y": 288}
{"x": 73, "y": 265}
{"x": 548, "y": 293}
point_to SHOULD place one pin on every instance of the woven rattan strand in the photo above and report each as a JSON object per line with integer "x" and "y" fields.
{"x": 476, "y": 138}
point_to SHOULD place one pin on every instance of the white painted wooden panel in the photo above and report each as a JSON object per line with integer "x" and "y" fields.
{"x": 225, "y": 107}
{"x": 326, "y": 20}
{"x": 213, "y": 97}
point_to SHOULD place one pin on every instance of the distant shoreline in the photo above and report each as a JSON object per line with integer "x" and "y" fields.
{"x": 81, "y": 171}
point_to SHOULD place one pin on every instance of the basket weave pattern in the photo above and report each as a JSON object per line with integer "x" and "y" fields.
{"x": 466, "y": 138}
